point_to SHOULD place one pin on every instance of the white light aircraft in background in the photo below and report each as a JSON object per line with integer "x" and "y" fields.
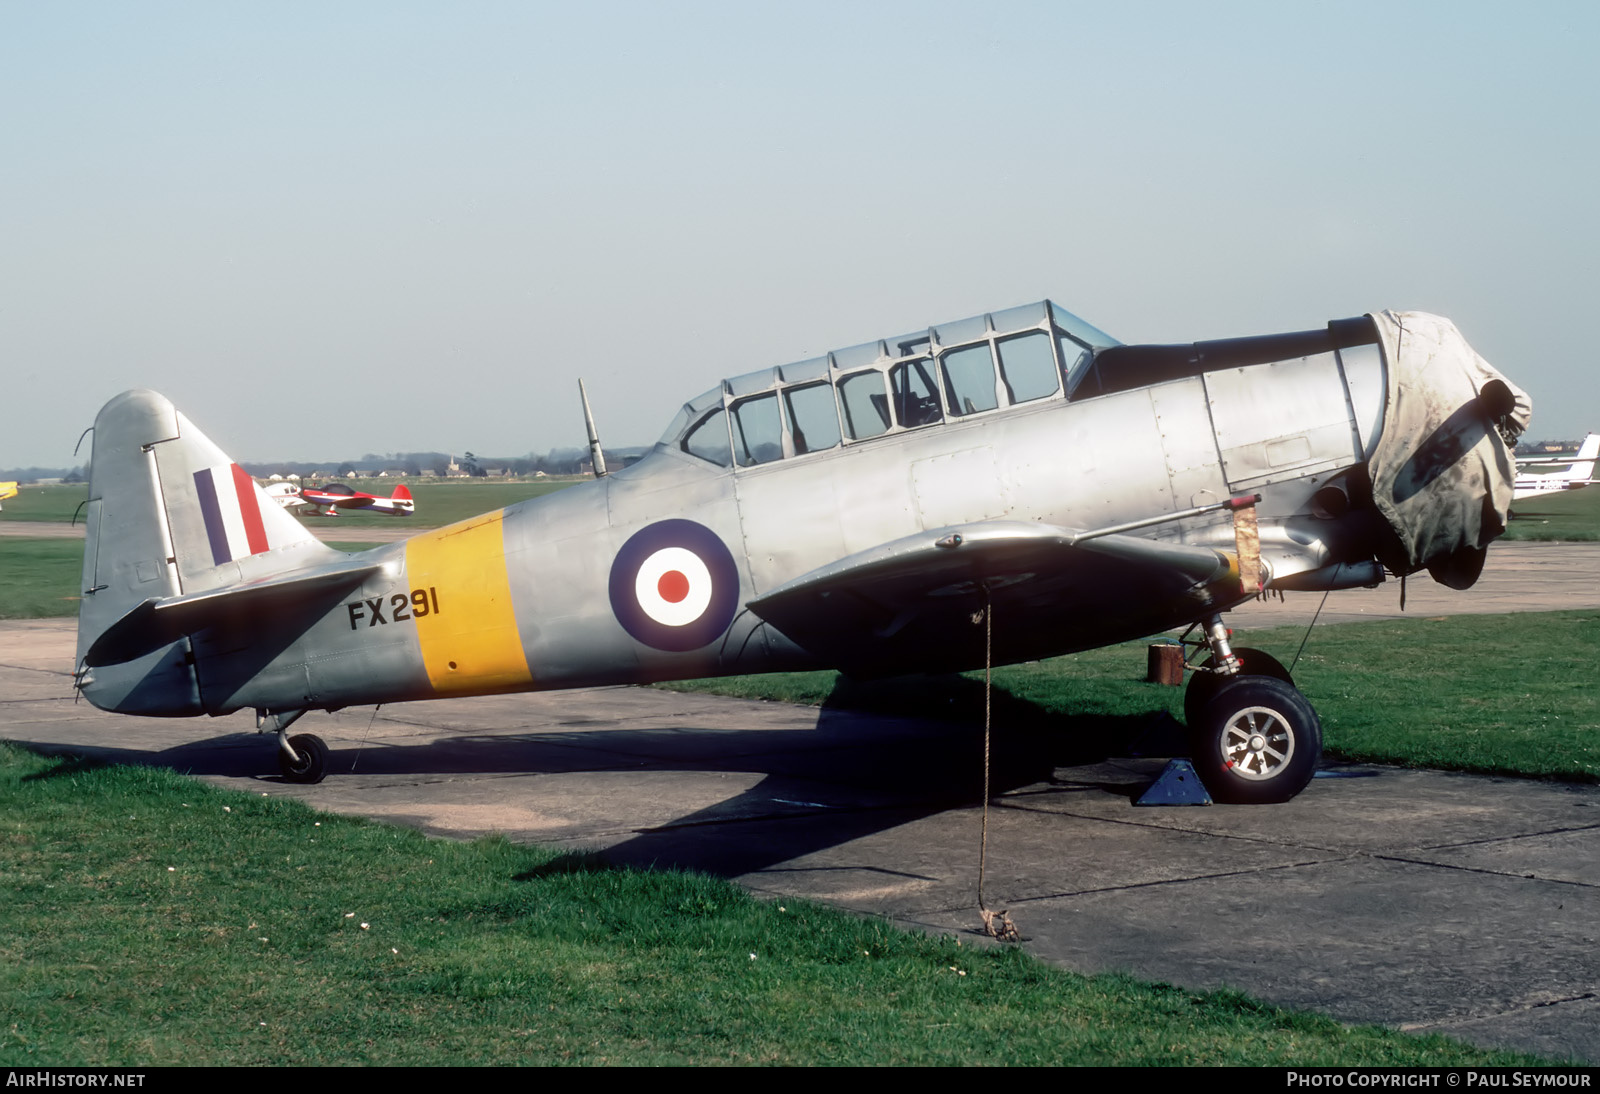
{"x": 1576, "y": 471}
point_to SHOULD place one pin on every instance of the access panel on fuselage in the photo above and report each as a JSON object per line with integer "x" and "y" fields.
{"x": 1286, "y": 419}
{"x": 1188, "y": 443}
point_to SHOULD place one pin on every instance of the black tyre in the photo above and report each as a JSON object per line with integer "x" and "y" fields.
{"x": 1258, "y": 741}
{"x": 1203, "y": 685}
{"x": 313, "y": 764}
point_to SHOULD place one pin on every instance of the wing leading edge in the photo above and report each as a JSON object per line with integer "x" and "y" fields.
{"x": 910, "y": 605}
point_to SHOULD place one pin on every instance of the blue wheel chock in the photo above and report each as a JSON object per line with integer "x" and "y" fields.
{"x": 1178, "y": 784}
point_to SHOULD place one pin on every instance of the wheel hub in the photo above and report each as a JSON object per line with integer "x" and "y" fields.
{"x": 1257, "y": 743}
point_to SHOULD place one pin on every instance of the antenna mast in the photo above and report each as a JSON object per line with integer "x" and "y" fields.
{"x": 597, "y": 457}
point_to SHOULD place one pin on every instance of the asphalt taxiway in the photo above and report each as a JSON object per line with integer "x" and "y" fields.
{"x": 1420, "y": 900}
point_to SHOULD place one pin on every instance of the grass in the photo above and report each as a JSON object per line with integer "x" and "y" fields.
{"x": 51, "y": 503}
{"x": 438, "y": 503}
{"x": 39, "y": 578}
{"x": 1502, "y": 694}
{"x": 1569, "y": 515}
{"x": 152, "y": 920}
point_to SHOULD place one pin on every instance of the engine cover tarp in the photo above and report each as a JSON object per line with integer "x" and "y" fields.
{"x": 1443, "y": 470}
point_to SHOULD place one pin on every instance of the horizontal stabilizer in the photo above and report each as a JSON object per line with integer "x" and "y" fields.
{"x": 158, "y": 621}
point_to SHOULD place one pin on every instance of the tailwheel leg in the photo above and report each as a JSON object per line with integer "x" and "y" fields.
{"x": 302, "y": 758}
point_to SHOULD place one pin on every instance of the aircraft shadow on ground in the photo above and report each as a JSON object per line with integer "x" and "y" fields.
{"x": 853, "y": 774}
{"x": 904, "y": 769}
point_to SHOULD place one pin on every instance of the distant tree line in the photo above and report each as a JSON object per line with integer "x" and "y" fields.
{"x": 1540, "y": 448}
{"x": 34, "y": 474}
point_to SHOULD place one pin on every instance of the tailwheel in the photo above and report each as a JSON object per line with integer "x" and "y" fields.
{"x": 310, "y": 762}
{"x": 1257, "y": 741}
{"x": 1203, "y": 685}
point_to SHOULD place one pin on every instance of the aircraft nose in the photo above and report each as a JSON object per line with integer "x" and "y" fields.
{"x": 1443, "y": 470}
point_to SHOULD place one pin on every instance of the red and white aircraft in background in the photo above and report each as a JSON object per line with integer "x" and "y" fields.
{"x": 1577, "y": 471}
{"x": 333, "y": 494}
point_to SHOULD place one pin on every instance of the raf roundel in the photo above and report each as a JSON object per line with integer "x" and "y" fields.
{"x": 674, "y": 586}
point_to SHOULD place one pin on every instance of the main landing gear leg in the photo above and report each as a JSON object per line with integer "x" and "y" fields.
{"x": 1252, "y": 735}
{"x": 302, "y": 758}
{"x": 1221, "y": 652}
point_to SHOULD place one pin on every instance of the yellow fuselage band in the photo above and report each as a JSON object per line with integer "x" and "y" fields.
{"x": 469, "y": 636}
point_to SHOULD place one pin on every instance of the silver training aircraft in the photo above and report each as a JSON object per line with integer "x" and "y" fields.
{"x": 875, "y": 510}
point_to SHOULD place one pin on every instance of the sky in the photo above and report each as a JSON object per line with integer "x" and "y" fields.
{"x": 325, "y": 229}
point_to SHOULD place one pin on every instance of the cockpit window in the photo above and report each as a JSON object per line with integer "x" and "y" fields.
{"x": 813, "y": 421}
{"x": 709, "y": 440}
{"x": 1075, "y": 360}
{"x": 916, "y": 400}
{"x": 971, "y": 366}
{"x": 969, "y": 380}
{"x": 757, "y": 430}
{"x": 1084, "y": 333}
{"x": 1027, "y": 367}
{"x": 691, "y": 412}
{"x": 865, "y": 404}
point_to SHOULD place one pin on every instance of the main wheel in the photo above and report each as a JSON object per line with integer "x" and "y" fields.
{"x": 1203, "y": 685}
{"x": 313, "y": 763}
{"x": 1257, "y": 741}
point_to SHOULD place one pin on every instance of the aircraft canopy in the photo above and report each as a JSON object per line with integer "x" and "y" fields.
{"x": 942, "y": 373}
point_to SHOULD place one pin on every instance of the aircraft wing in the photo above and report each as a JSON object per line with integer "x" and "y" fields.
{"x": 910, "y": 604}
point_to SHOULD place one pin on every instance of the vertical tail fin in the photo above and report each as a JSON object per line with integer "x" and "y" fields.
{"x": 1588, "y": 452}
{"x": 169, "y": 514}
